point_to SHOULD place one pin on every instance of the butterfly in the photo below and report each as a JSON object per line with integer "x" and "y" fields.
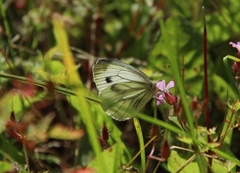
{"x": 123, "y": 89}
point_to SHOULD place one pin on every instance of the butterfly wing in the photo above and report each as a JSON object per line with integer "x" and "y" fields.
{"x": 122, "y": 88}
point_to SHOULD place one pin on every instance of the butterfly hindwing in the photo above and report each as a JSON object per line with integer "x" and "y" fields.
{"x": 120, "y": 100}
{"x": 122, "y": 88}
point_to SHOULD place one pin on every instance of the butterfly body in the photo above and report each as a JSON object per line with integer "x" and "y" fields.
{"x": 122, "y": 88}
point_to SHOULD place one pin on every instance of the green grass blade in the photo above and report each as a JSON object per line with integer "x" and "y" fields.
{"x": 138, "y": 128}
{"x": 230, "y": 74}
{"x": 74, "y": 80}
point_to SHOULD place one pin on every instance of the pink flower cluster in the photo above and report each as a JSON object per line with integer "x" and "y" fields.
{"x": 163, "y": 94}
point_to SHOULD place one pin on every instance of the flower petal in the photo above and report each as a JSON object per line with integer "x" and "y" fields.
{"x": 170, "y": 85}
{"x": 161, "y": 85}
{"x": 160, "y": 99}
{"x": 235, "y": 45}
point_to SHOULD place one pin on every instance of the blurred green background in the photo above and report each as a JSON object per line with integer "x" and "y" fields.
{"x": 126, "y": 29}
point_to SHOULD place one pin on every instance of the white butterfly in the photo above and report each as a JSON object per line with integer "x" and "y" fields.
{"x": 122, "y": 88}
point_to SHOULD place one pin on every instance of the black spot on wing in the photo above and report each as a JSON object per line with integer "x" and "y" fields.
{"x": 108, "y": 80}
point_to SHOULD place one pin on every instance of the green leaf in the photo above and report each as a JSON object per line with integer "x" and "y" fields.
{"x": 113, "y": 157}
{"x": 175, "y": 162}
{"x": 6, "y": 167}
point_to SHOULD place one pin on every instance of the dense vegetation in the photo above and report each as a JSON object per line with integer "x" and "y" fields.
{"x": 50, "y": 114}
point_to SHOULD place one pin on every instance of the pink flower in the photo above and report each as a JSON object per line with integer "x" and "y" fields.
{"x": 236, "y": 64}
{"x": 236, "y": 45}
{"x": 164, "y": 93}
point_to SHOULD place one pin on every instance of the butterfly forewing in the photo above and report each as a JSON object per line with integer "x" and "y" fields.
{"x": 122, "y": 88}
